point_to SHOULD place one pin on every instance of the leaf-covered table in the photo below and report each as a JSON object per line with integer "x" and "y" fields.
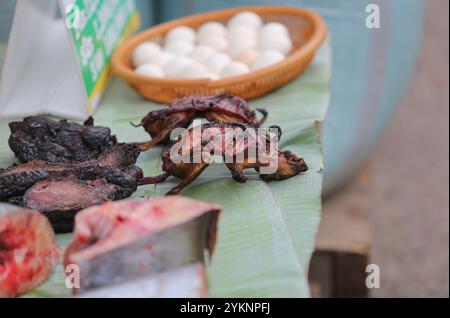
{"x": 266, "y": 231}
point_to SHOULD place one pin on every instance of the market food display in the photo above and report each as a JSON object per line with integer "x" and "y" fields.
{"x": 111, "y": 247}
{"x": 59, "y": 181}
{"x": 215, "y": 50}
{"x": 72, "y": 177}
{"x": 111, "y": 238}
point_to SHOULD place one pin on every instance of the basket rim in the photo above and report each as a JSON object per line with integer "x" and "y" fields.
{"x": 120, "y": 69}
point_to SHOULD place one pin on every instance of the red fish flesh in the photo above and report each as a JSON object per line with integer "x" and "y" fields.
{"x": 28, "y": 250}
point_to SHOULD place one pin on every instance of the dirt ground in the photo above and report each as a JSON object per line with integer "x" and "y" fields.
{"x": 409, "y": 171}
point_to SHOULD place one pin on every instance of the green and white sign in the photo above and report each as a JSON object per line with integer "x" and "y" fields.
{"x": 96, "y": 27}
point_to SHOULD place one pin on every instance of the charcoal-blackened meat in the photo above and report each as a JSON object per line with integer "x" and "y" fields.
{"x": 181, "y": 112}
{"x": 60, "y": 200}
{"x": 111, "y": 165}
{"x": 28, "y": 250}
{"x": 60, "y": 190}
{"x": 40, "y": 138}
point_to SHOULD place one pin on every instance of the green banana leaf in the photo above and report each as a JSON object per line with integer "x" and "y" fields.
{"x": 266, "y": 231}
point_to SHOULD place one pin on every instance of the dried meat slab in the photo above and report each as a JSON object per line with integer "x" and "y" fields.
{"x": 113, "y": 165}
{"x": 124, "y": 240}
{"x": 60, "y": 190}
{"x": 60, "y": 200}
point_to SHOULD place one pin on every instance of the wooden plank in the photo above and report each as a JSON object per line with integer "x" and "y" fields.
{"x": 338, "y": 265}
{"x": 350, "y": 275}
{"x": 345, "y": 224}
{"x": 321, "y": 275}
{"x": 337, "y": 274}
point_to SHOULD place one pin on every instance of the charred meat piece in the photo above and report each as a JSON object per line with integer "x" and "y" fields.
{"x": 231, "y": 141}
{"x": 111, "y": 165}
{"x": 40, "y": 138}
{"x": 28, "y": 250}
{"x": 60, "y": 200}
{"x": 181, "y": 112}
{"x": 130, "y": 239}
{"x": 184, "y": 282}
{"x": 60, "y": 190}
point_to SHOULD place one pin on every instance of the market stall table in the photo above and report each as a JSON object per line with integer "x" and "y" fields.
{"x": 267, "y": 231}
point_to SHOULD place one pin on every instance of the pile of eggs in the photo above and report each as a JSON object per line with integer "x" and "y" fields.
{"x": 215, "y": 51}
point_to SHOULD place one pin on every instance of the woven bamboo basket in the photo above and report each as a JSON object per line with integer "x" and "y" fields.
{"x": 307, "y": 30}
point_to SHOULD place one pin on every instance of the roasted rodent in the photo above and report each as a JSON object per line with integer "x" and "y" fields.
{"x": 287, "y": 163}
{"x": 181, "y": 112}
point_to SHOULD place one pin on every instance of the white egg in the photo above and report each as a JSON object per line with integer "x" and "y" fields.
{"x": 218, "y": 43}
{"x": 209, "y": 28}
{"x": 179, "y": 47}
{"x": 181, "y": 33}
{"x": 161, "y": 58}
{"x": 267, "y": 58}
{"x": 150, "y": 70}
{"x": 241, "y": 31}
{"x": 274, "y": 28}
{"x": 247, "y": 56}
{"x": 175, "y": 65}
{"x": 275, "y": 42}
{"x": 216, "y": 62}
{"x": 143, "y": 53}
{"x": 247, "y": 18}
{"x": 234, "y": 68}
{"x": 238, "y": 45}
{"x": 193, "y": 70}
{"x": 201, "y": 53}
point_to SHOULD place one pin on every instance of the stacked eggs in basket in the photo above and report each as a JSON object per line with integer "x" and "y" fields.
{"x": 214, "y": 50}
